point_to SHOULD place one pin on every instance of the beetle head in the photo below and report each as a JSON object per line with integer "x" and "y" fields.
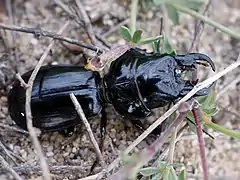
{"x": 188, "y": 61}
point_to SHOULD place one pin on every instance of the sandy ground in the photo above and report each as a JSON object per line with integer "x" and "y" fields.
{"x": 222, "y": 152}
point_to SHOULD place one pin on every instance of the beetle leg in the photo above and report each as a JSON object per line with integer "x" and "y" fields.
{"x": 189, "y": 86}
{"x": 103, "y": 125}
{"x": 189, "y": 60}
{"x": 67, "y": 132}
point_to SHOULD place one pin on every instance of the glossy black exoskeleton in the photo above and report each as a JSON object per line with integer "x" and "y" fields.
{"x": 52, "y": 109}
{"x": 136, "y": 83}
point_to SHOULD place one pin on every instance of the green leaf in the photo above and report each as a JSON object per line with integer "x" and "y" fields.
{"x": 150, "y": 40}
{"x": 137, "y": 36}
{"x": 211, "y": 111}
{"x": 167, "y": 48}
{"x": 162, "y": 164}
{"x": 208, "y": 104}
{"x": 216, "y": 127}
{"x": 156, "y": 46}
{"x": 166, "y": 174}
{"x": 172, "y": 13}
{"x": 156, "y": 176}
{"x": 191, "y": 125}
{"x": 182, "y": 175}
{"x": 126, "y": 33}
{"x": 172, "y": 174}
{"x": 209, "y": 100}
{"x": 148, "y": 171}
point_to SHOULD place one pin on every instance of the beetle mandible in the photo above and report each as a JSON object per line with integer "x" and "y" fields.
{"x": 136, "y": 83}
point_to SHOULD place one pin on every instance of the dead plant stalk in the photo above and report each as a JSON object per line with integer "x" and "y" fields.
{"x": 40, "y": 32}
{"x": 6, "y": 166}
{"x": 32, "y": 132}
{"x": 88, "y": 127}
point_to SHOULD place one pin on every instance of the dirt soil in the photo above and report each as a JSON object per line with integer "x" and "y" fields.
{"x": 223, "y": 153}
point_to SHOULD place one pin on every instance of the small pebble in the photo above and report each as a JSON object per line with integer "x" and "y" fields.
{"x": 74, "y": 149}
{"x": 49, "y": 154}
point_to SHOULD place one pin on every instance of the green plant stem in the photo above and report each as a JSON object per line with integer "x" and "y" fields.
{"x": 234, "y": 134}
{"x": 172, "y": 146}
{"x": 133, "y": 16}
{"x": 206, "y": 20}
{"x": 165, "y": 22}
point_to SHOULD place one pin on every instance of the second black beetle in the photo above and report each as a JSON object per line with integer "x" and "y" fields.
{"x": 136, "y": 83}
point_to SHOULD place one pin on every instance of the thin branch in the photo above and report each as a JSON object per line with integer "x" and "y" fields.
{"x": 56, "y": 36}
{"x": 198, "y": 87}
{"x": 197, "y": 117}
{"x": 87, "y": 22}
{"x": 23, "y": 83}
{"x": 63, "y": 6}
{"x": 17, "y": 156}
{"x": 133, "y": 16}
{"x": 90, "y": 133}
{"x": 207, "y": 20}
{"x": 6, "y": 166}
{"x": 31, "y": 130}
{"x": 7, "y": 152}
{"x": 13, "y": 128}
{"x": 198, "y": 29}
{"x": 53, "y": 169}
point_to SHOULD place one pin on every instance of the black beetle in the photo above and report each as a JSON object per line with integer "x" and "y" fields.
{"x": 136, "y": 83}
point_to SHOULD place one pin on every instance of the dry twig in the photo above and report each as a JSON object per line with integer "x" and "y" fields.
{"x": 40, "y": 32}
{"x": 53, "y": 169}
{"x": 198, "y": 29}
{"x": 31, "y": 130}
{"x": 87, "y": 22}
{"x": 90, "y": 133}
{"x": 63, "y": 6}
{"x": 13, "y": 128}
{"x": 23, "y": 83}
{"x": 7, "y": 152}
{"x": 6, "y": 166}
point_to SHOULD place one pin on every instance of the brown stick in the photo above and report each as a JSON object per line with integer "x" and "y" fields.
{"x": 23, "y": 83}
{"x": 197, "y": 117}
{"x": 87, "y": 22}
{"x": 7, "y": 152}
{"x": 90, "y": 133}
{"x": 13, "y": 128}
{"x": 31, "y": 130}
{"x": 55, "y": 168}
{"x": 40, "y": 32}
